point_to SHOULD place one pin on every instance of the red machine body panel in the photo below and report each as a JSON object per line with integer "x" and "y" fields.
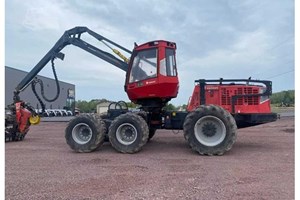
{"x": 222, "y": 95}
{"x": 153, "y": 88}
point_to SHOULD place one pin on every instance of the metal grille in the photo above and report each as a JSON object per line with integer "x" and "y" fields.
{"x": 239, "y": 91}
{"x": 251, "y": 100}
{"x": 225, "y": 98}
{"x": 226, "y": 95}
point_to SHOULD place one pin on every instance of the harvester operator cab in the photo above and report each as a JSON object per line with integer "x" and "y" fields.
{"x": 152, "y": 74}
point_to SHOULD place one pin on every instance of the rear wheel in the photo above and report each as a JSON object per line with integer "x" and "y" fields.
{"x": 210, "y": 130}
{"x": 85, "y": 133}
{"x": 128, "y": 133}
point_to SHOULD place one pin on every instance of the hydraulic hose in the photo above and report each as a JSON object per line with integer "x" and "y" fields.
{"x": 36, "y": 81}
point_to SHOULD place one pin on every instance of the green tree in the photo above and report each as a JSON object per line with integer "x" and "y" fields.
{"x": 131, "y": 105}
{"x": 283, "y": 98}
{"x": 170, "y": 107}
{"x": 182, "y": 107}
{"x": 83, "y": 106}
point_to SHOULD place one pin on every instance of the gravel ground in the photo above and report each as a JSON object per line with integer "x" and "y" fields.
{"x": 259, "y": 166}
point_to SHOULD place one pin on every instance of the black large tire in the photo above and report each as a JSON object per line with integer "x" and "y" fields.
{"x": 128, "y": 133}
{"x": 105, "y": 116}
{"x": 151, "y": 133}
{"x": 210, "y": 130}
{"x": 85, "y": 133}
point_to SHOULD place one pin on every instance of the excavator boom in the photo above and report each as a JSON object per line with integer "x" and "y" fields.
{"x": 73, "y": 36}
{"x": 20, "y": 115}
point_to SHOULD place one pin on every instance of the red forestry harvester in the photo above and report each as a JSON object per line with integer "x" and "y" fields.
{"x": 209, "y": 124}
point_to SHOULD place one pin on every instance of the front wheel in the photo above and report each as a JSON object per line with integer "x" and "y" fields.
{"x": 128, "y": 133}
{"x": 210, "y": 130}
{"x": 85, "y": 133}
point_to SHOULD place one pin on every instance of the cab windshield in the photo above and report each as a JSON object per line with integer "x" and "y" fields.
{"x": 144, "y": 65}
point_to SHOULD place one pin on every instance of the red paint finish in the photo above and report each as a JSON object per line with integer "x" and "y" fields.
{"x": 160, "y": 87}
{"x": 222, "y": 94}
{"x": 22, "y": 115}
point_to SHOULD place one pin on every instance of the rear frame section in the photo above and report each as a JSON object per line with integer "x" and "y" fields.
{"x": 249, "y": 106}
{"x": 247, "y": 120}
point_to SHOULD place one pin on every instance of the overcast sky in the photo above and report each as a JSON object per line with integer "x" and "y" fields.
{"x": 215, "y": 38}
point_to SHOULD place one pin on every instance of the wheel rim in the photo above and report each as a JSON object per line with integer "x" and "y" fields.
{"x": 82, "y": 133}
{"x": 210, "y": 131}
{"x": 126, "y": 134}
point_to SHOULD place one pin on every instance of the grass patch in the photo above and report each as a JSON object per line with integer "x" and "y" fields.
{"x": 276, "y": 109}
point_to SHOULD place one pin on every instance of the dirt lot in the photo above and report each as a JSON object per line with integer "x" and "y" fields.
{"x": 260, "y": 166}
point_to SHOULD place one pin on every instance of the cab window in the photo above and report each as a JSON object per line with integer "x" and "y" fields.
{"x": 168, "y": 64}
{"x": 144, "y": 65}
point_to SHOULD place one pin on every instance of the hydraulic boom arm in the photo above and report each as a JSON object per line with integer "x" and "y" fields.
{"x": 20, "y": 115}
{"x": 72, "y": 36}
